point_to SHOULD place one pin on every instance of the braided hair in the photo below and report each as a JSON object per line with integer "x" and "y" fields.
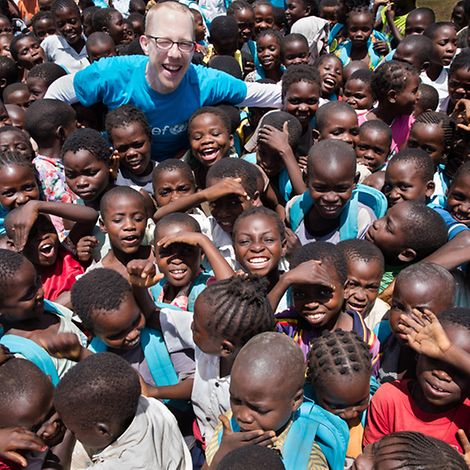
{"x": 413, "y": 450}
{"x": 337, "y": 353}
{"x": 433, "y": 117}
{"x": 390, "y": 76}
{"x": 239, "y": 308}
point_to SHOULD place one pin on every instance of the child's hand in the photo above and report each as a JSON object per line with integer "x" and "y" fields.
{"x": 13, "y": 440}
{"x": 189, "y": 238}
{"x": 233, "y": 440}
{"x": 378, "y": 3}
{"x": 390, "y": 12}
{"x": 424, "y": 333}
{"x": 275, "y": 139}
{"x": 114, "y": 164}
{"x": 292, "y": 241}
{"x": 381, "y": 48}
{"x": 463, "y": 439}
{"x": 461, "y": 114}
{"x": 143, "y": 273}
{"x": 5, "y": 354}
{"x": 21, "y": 220}
{"x": 85, "y": 248}
{"x": 302, "y": 161}
{"x": 310, "y": 272}
{"x": 225, "y": 187}
{"x": 65, "y": 346}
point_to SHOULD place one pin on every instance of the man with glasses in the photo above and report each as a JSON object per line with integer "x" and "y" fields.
{"x": 164, "y": 85}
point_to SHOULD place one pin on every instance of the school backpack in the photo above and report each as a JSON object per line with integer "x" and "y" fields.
{"x": 348, "y": 228}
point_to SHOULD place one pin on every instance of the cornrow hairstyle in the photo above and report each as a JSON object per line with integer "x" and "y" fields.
{"x": 238, "y": 5}
{"x": 173, "y": 164}
{"x": 337, "y": 353}
{"x": 101, "y": 18}
{"x": 322, "y": 251}
{"x": 299, "y": 73}
{"x": 433, "y": 117}
{"x": 48, "y": 72}
{"x": 461, "y": 61}
{"x": 456, "y": 316}
{"x": 216, "y": 112}
{"x": 239, "y": 308}
{"x": 324, "y": 113}
{"x": 10, "y": 263}
{"x": 419, "y": 158}
{"x": 431, "y": 30}
{"x": 178, "y": 218}
{"x": 390, "y": 76}
{"x": 277, "y": 119}
{"x": 261, "y": 211}
{"x": 102, "y": 388}
{"x": 98, "y": 291}
{"x": 362, "y": 250}
{"x": 59, "y": 5}
{"x": 14, "y": 43}
{"x": 409, "y": 450}
{"x": 8, "y": 70}
{"x": 89, "y": 140}
{"x": 236, "y": 168}
{"x": 426, "y": 273}
{"x": 125, "y": 115}
{"x": 360, "y": 8}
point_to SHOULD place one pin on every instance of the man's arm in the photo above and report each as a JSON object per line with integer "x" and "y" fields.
{"x": 262, "y": 95}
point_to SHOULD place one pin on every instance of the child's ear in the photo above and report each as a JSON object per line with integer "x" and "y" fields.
{"x": 298, "y": 399}
{"x": 392, "y": 96}
{"x": 231, "y": 140}
{"x": 356, "y": 178}
{"x": 430, "y": 187}
{"x": 256, "y": 201}
{"x": 425, "y": 66}
{"x": 61, "y": 134}
{"x": 103, "y": 429}
{"x": 102, "y": 227}
{"x": 227, "y": 348}
{"x": 316, "y": 135}
{"x": 407, "y": 255}
{"x": 3, "y": 83}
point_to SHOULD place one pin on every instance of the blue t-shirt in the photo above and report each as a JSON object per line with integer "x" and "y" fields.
{"x": 120, "y": 80}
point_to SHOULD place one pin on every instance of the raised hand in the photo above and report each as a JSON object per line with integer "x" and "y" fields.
{"x": 85, "y": 247}
{"x": 65, "y": 346}
{"x": 13, "y": 440}
{"x": 225, "y": 187}
{"x": 143, "y": 273}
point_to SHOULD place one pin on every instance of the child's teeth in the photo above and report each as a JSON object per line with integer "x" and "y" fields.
{"x": 258, "y": 260}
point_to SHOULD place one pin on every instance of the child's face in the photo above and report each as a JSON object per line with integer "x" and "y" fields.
{"x": 441, "y": 385}
{"x": 359, "y": 26}
{"x": 331, "y": 75}
{"x": 458, "y": 16}
{"x": 295, "y": 52}
{"x": 319, "y": 306}
{"x": 99, "y": 50}
{"x": 16, "y": 141}
{"x": 445, "y": 44}
{"x": 358, "y": 94}
{"x": 170, "y": 186}
{"x": 269, "y": 52}
{"x": 179, "y": 262}
{"x": 44, "y": 27}
{"x": 85, "y": 175}
{"x": 24, "y": 299}
{"x": 128, "y": 34}
{"x": 408, "y": 54}
{"x": 430, "y": 138}
{"x": 246, "y": 24}
{"x": 5, "y": 46}
{"x": 387, "y": 233}
{"x": 296, "y": 9}
{"x": 372, "y": 148}
{"x": 329, "y": 13}
{"x": 341, "y": 126}
{"x": 133, "y": 146}
{"x": 258, "y": 244}
{"x": 226, "y": 209}
{"x": 5, "y": 27}
{"x": 87, "y": 24}
{"x": 18, "y": 185}
{"x": 330, "y": 190}
{"x": 42, "y": 247}
{"x": 415, "y": 294}
{"x": 69, "y": 25}
{"x": 259, "y": 405}
{"x": 37, "y": 88}
{"x": 264, "y": 18}
{"x": 405, "y": 182}
{"x": 405, "y": 100}
{"x": 345, "y": 396}
{"x": 209, "y": 139}
{"x": 200, "y": 28}
{"x": 21, "y": 98}
{"x": 362, "y": 286}
{"x": 120, "y": 329}
{"x": 125, "y": 220}
{"x": 116, "y": 27}
{"x": 30, "y": 53}
{"x": 301, "y": 101}
{"x": 458, "y": 199}
{"x": 268, "y": 160}
{"x": 459, "y": 85}
{"x": 416, "y": 24}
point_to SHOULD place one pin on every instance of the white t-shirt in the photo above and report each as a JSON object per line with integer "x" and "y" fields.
{"x": 59, "y": 51}
{"x": 440, "y": 84}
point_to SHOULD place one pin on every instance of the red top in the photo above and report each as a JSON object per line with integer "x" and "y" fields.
{"x": 392, "y": 409}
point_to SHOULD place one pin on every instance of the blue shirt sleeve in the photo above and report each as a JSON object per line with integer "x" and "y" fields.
{"x": 453, "y": 227}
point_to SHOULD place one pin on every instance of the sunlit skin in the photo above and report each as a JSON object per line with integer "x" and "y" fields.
{"x": 458, "y": 199}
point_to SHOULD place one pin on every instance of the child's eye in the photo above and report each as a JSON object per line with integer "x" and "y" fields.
{"x": 164, "y": 192}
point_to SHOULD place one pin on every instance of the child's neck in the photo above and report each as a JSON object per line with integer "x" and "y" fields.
{"x": 359, "y": 51}
{"x": 274, "y": 74}
{"x": 434, "y": 70}
{"x": 95, "y": 204}
{"x": 79, "y": 46}
{"x": 29, "y": 327}
{"x": 385, "y": 112}
{"x": 273, "y": 278}
{"x": 50, "y": 151}
{"x": 317, "y": 225}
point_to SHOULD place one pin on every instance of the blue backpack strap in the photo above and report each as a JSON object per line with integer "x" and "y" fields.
{"x": 97, "y": 346}
{"x": 156, "y": 289}
{"x": 32, "y": 352}
{"x": 348, "y": 228}
{"x": 285, "y": 185}
{"x": 299, "y": 208}
{"x": 383, "y": 331}
{"x": 199, "y": 284}
{"x": 314, "y": 424}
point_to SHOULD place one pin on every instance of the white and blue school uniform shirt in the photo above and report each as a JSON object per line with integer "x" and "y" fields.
{"x": 116, "y": 81}
{"x": 59, "y": 51}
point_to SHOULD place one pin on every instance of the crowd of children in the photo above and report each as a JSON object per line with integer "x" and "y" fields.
{"x": 234, "y": 235}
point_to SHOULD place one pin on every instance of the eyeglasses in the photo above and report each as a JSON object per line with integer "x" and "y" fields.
{"x": 166, "y": 44}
